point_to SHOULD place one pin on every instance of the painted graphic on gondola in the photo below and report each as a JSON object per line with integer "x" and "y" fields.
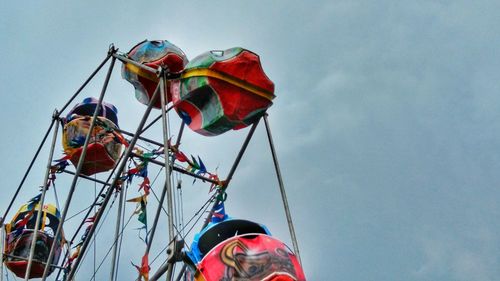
{"x": 251, "y": 258}
{"x": 243, "y": 263}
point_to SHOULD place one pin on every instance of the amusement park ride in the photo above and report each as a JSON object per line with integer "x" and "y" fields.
{"x": 216, "y": 92}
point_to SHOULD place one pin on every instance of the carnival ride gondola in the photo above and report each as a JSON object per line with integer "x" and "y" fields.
{"x": 105, "y": 144}
{"x": 20, "y": 235}
{"x": 216, "y": 92}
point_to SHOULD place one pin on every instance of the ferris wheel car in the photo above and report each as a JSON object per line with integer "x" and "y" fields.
{"x": 18, "y": 241}
{"x": 153, "y": 54}
{"x": 105, "y": 144}
{"x": 236, "y": 249}
{"x": 222, "y": 90}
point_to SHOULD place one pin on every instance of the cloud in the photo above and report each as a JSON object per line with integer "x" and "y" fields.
{"x": 457, "y": 257}
{"x": 385, "y": 121}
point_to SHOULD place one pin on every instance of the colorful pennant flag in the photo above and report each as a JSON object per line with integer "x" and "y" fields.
{"x": 144, "y": 268}
{"x": 219, "y": 213}
{"x": 33, "y": 202}
{"x": 141, "y": 208}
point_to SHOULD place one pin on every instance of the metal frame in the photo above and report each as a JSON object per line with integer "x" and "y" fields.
{"x": 2, "y": 219}
{"x": 163, "y": 75}
{"x": 2, "y": 248}
{"x": 40, "y": 203}
{"x": 111, "y": 189}
{"x": 282, "y": 190}
{"x": 117, "y": 234}
{"x": 177, "y": 169}
{"x": 34, "y": 260}
{"x": 105, "y": 184}
{"x": 167, "y": 266}
{"x": 80, "y": 161}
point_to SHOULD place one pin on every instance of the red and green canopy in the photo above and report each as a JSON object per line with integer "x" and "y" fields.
{"x": 222, "y": 90}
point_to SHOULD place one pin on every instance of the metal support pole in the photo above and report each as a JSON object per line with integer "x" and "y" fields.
{"x": 241, "y": 152}
{"x": 168, "y": 185}
{"x": 117, "y": 234}
{"x": 119, "y": 216}
{"x": 170, "y": 270}
{"x": 144, "y": 130}
{"x": 181, "y": 131}
{"x": 106, "y": 183}
{"x": 157, "y": 216}
{"x": 233, "y": 169}
{"x": 167, "y": 189}
{"x": 2, "y": 219}
{"x": 167, "y": 160}
{"x": 41, "y": 202}
{"x": 80, "y": 163}
{"x": 2, "y": 247}
{"x": 169, "y": 266}
{"x": 124, "y": 59}
{"x": 140, "y": 137}
{"x": 177, "y": 169}
{"x": 177, "y": 192}
{"x": 88, "y": 80}
{"x": 155, "y": 120}
{"x": 110, "y": 190}
{"x": 119, "y": 243}
{"x": 87, "y": 178}
{"x": 183, "y": 269}
{"x": 282, "y": 190}
{"x": 151, "y": 124}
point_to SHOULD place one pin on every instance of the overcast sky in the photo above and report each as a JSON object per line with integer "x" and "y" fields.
{"x": 386, "y": 122}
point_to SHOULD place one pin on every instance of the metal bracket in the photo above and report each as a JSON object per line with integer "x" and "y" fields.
{"x": 112, "y": 50}
{"x": 56, "y": 114}
{"x": 174, "y": 251}
{"x": 163, "y": 71}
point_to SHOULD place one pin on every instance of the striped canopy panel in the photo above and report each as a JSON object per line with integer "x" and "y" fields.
{"x": 222, "y": 90}
{"x": 154, "y": 54}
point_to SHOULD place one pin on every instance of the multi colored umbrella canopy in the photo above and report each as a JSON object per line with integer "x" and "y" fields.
{"x": 153, "y": 54}
{"x": 105, "y": 144}
{"x": 235, "y": 249}
{"x": 20, "y": 235}
{"x": 221, "y": 91}
{"x": 88, "y": 106}
{"x": 251, "y": 257}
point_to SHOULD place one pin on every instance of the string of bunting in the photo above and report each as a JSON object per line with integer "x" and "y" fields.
{"x": 195, "y": 166}
{"x": 18, "y": 227}
{"x": 30, "y": 205}
{"x": 141, "y": 211}
{"x": 77, "y": 247}
{"x": 141, "y": 170}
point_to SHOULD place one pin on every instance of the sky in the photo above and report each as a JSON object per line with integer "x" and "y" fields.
{"x": 385, "y": 122}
